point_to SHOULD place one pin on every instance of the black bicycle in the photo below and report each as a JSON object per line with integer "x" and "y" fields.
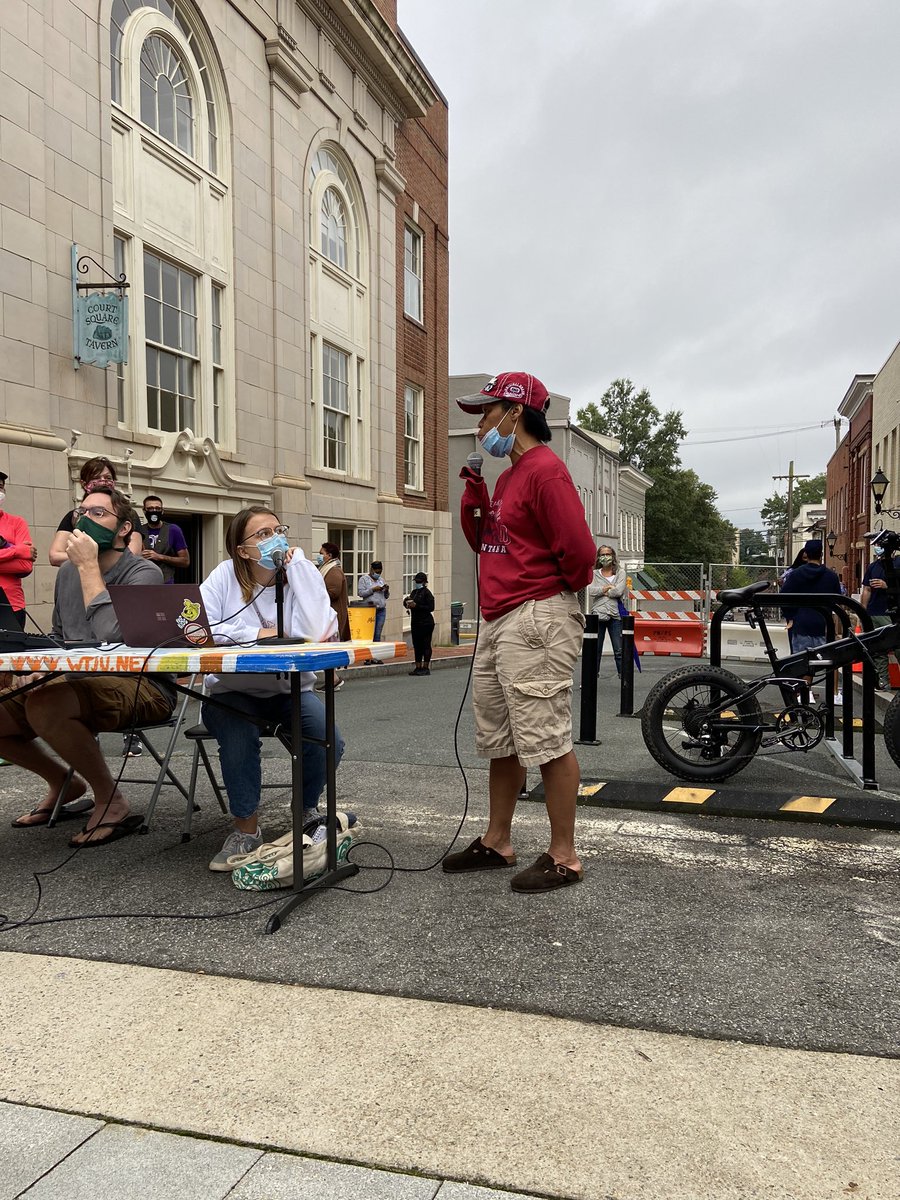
{"x": 703, "y": 723}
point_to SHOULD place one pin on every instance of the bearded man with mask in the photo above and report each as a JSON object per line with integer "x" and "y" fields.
{"x": 164, "y": 542}
{"x": 535, "y": 551}
{"x": 67, "y": 711}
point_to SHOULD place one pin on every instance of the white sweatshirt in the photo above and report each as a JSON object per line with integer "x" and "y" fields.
{"x": 233, "y": 621}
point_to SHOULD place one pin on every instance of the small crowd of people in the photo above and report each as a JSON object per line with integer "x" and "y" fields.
{"x": 534, "y": 552}
{"x": 49, "y": 727}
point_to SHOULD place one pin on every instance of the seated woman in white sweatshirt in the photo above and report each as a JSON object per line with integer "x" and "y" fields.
{"x": 239, "y": 597}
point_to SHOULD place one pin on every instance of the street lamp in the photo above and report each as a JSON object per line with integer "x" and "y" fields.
{"x": 879, "y": 486}
{"x": 831, "y": 538}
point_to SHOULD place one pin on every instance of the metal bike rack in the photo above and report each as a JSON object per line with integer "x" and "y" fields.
{"x": 841, "y": 655}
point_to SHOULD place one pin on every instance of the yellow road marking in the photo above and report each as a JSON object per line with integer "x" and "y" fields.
{"x": 590, "y": 789}
{"x": 683, "y": 795}
{"x": 810, "y": 804}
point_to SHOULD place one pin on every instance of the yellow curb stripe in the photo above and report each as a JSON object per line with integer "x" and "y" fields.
{"x": 683, "y": 795}
{"x": 809, "y": 804}
{"x": 590, "y": 789}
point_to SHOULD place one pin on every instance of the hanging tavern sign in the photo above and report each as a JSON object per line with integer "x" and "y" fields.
{"x": 100, "y": 321}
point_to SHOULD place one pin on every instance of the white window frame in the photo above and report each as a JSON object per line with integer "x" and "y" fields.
{"x": 357, "y": 544}
{"x": 413, "y": 272}
{"x": 412, "y": 438}
{"x": 214, "y": 380}
{"x": 329, "y": 170}
{"x": 416, "y": 557}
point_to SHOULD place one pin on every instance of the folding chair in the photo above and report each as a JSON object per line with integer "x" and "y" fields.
{"x": 200, "y": 735}
{"x": 165, "y": 777}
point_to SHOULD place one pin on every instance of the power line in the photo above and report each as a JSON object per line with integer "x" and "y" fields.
{"x": 753, "y": 437}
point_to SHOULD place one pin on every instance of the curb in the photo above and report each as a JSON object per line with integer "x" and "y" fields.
{"x": 863, "y": 810}
{"x": 403, "y": 666}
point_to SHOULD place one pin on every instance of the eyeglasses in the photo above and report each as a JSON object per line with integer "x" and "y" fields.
{"x": 262, "y": 535}
{"x": 95, "y": 512}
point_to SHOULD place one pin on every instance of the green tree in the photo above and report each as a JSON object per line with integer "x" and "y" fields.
{"x": 682, "y": 522}
{"x": 774, "y": 509}
{"x": 649, "y": 438}
{"x": 754, "y": 547}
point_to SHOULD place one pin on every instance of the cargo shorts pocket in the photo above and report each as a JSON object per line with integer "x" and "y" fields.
{"x": 537, "y": 631}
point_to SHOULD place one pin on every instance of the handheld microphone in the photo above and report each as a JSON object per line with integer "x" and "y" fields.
{"x": 278, "y": 559}
{"x": 474, "y": 462}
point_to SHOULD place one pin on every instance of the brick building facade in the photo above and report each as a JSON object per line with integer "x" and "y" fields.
{"x": 242, "y": 166}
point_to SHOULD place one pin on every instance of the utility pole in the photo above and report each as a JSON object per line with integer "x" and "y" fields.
{"x": 789, "y": 532}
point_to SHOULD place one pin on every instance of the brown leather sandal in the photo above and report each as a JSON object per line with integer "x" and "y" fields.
{"x": 545, "y": 875}
{"x": 477, "y": 857}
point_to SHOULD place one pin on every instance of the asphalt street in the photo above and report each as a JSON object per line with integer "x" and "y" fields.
{"x": 780, "y": 933}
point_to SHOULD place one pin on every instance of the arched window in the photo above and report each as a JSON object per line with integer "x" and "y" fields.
{"x": 173, "y": 220}
{"x": 334, "y": 229}
{"x": 166, "y": 102}
{"x": 339, "y": 317}
{"x": 176, "y": 12}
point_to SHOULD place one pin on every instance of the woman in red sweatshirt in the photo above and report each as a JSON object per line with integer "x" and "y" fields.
{"x": 535, "y": 551}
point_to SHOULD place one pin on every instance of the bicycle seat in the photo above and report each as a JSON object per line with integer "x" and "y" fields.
{"x": 743, "y": 595}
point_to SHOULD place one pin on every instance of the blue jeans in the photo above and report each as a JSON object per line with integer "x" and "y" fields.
{"x": 380, "y": 614}
{"x": 239, "y": 745}
{"x": 614, "y": 628}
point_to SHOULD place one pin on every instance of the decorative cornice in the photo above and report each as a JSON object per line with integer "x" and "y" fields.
{"x": 389, "y": 178}
{"x": 388, "y": 498}
{"x": 285, "y": 71}
{"x": 368, "y": 41}
{"x": 291, "y": 481}
{"x": 22, "y": 435}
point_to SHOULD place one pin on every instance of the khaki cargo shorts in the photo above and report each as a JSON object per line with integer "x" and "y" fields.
{"x": 522, "y": 680}
{"x": 107, "y": 702}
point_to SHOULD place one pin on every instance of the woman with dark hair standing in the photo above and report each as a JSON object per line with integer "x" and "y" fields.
{"x": 97, "y": 471}
{"x": 420, "y": 606}
{"x": 239, "y": 597}
{"x": 329, "y": 563}
{"x": 605, "y": 591}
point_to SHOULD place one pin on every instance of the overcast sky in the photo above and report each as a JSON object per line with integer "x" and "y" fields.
{"x": 701, "y": 195}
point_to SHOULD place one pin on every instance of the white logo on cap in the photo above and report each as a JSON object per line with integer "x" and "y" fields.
{"x": 488, "y": 387}
{"x": 514, "y": 391}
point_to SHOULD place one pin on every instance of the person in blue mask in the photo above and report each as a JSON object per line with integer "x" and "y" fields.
{"x": 239, "y": 597}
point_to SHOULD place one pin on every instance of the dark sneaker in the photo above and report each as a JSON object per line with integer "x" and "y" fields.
{"x": 131, "y": 746}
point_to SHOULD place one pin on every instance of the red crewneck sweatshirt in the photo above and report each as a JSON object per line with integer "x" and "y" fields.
{"x": 532, "y": 540}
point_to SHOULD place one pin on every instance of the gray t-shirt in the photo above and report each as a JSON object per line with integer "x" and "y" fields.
{"x": 98, "y": 622}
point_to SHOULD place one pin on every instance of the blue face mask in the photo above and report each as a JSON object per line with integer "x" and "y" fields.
{"x": 267, "y": 548}
{"x": 320, "y": 558}
{"x": 496, "y": 445}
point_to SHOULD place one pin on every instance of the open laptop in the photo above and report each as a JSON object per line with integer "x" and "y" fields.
{"x": 161, "y": 614}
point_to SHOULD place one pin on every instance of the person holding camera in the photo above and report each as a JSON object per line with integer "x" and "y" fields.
{"x": 375, "y": 591}
{"x": 420, "y": 606}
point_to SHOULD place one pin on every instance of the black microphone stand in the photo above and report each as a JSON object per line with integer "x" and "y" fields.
{"x": 279, "y": 600}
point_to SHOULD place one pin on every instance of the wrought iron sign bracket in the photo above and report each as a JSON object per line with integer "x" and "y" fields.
{"x": 119, "y": 282}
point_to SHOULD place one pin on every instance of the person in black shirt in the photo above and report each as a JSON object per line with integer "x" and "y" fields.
{"x": 420, "y": 606}
{"x": 874, "y": 599}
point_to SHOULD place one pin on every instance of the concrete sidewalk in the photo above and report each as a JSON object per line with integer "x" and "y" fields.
{"x": 48, "y": 1155}
{"x": 429, "y": 1091}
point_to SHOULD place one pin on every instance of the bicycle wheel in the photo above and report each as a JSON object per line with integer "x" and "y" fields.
{"x": 892, "y": 729}
{"x": 678, "y": 731}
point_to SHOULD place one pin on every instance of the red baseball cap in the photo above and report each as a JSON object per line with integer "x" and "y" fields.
{"x": 516, "y": 386}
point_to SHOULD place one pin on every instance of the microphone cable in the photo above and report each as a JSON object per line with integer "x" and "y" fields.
{"x": 392, "y": 867}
